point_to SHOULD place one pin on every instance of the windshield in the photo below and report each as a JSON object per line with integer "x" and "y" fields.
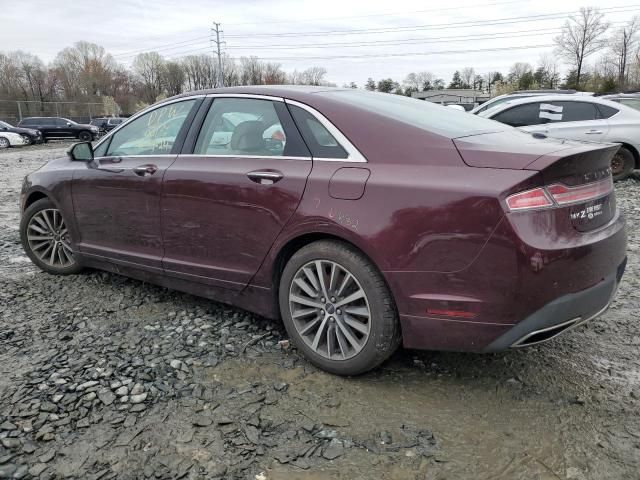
{"x": 418, "y": 113}
{"x": 70, "y": 121}
{"x": 5, "y": 125}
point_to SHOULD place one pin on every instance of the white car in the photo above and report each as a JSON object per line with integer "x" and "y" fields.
{"x": 8, "y": 139}
{"x": 520, "y": 94}
{"x": 577, "y": 118}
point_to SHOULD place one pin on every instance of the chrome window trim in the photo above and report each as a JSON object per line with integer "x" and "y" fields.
{"x": 245, "y": 95}
{"x": 353, "y": 154}
{"x": 150, "y": 108}
{"x": 279, "y": 157}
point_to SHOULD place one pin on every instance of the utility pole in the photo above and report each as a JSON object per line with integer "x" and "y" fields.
{"x": 217, "y": 51}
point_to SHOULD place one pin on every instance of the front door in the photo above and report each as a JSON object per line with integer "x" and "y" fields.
{"x": 225, "y": 202}
{"x": 116, "y": 197}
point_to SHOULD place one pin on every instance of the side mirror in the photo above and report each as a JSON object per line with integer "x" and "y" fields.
{"x": 81, "y": 152}
{"x": 68, "y": 124}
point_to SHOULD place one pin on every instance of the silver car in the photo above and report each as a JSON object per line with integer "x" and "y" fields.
{"x": 577, "y": 117}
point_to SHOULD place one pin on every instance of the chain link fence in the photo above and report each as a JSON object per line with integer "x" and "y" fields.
{"x": 13, "y": 111}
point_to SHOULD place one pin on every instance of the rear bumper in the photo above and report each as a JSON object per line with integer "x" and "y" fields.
{"x": 561, "y": 315}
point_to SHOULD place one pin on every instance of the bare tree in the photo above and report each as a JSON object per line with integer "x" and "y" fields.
{"x": 419, "y": 81}
{"x": 621, "y": 45}
{"x": 174, "y": 78}
{"x": 150, "y": 68}
{"x": 314, "y": 75}
{"x": 467, "y": 75}
{"x": 582, "y": 35}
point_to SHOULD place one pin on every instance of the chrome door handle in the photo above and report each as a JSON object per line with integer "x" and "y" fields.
{"x": 265, "y": 177}
{"x": 145, "y": 170}
{"x": 594, "y": 132}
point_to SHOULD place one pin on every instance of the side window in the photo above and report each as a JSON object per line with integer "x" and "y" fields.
{"x": 319, "y": 140}
{"x": 571, "y": 111}
{"x": 606, "y": 111}
{"x": 154, "y": 133}
{"x": 242, "y": 126}
{"x": 521, "y": 115}
{"x": 60, "y": 122}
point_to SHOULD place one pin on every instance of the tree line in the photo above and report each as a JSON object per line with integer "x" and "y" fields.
{"x": 86, "y": 72}
{"x": 616, "y": 68}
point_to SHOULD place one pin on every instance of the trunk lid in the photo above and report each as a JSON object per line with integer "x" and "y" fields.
{"x": 576, "y": 175}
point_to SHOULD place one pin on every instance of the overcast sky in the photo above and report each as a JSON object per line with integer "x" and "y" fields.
{"x": 407, "y": 36}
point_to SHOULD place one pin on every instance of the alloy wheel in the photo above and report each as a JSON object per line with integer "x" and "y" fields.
{"x": 48, "y": 238}
{"x": 4, "y": 143}
{"x": 330, "y": 310}
{"x": 26, "y": 139}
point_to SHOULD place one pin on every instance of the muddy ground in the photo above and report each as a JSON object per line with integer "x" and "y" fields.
{"x": 105, "y": 377}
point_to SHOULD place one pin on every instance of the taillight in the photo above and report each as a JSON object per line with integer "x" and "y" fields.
{"x": 536, "y": 198}
{"x": 558, "y": 194}
{"x": 564, "y": 195}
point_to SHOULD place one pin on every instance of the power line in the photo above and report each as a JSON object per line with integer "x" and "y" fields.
{"x": 378, "y": 14}
{"x": 438, "y": 26}
{"x": 406, "y": 54}
{"x": 135, "y": 52}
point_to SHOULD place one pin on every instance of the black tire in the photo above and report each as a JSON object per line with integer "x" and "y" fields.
{"x": 85, "y": 136}
{"x": 622, "y": 164}
{"x": 29, "y": 213}
{"x": 4, "y": 143}
{"x": 384, "y": 335}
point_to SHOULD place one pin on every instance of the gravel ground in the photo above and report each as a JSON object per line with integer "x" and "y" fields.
{"x": 105, "y": 377}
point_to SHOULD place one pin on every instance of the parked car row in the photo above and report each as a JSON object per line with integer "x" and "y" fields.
{"x": 575, "y": 116}
{"x": 33, "y": 130}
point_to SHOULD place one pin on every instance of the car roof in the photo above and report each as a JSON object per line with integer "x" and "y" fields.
{"x": 552, "y": 98}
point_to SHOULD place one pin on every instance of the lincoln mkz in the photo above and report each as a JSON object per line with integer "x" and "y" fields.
{"x": 362, "y": 220}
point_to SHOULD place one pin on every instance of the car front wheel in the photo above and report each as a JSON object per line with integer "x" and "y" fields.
{"x": 337, "y": 308}
{"x": 45, "y": 238}
{"x": 84, "y": 136}
{"x": 4, "y": 143}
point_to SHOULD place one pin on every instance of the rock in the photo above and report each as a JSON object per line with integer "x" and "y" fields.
{"x": 202, "y": 421}
{"x": 122, "y": 391}
{"x": 10, "y": 443}
{"x": 47, "y": 457}
{"x": 89, "y": 397}
{"x": 137, "y": 389}
{"x": 281, "y": 386}
{"x": 106, "y": 396}
{"x": 8, "y": 426}
{"x": 85, "y": 385}
{"x": 37, "y": 469}
{"x": 7, "y": 470}
{"x": 223, "y": 420}
{"x": 138, "y": 408}
{"x": 138, "y": 398}
{"x": 83, "y": 423}
{"x": 57, "y": 397}
{"x": 20, "y": 472}
{"x": 334, "y": 450}
{"x": 48, "y": 407}
{"x": 176, "y": 364}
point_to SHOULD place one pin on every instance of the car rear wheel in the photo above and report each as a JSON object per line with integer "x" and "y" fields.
{"x": 337, "y": 308}
{"x": 84, "y": 136}
{"x": 4, "y": 143}
{"x": 45, "y": 239}
{"x": 622, "y": 164}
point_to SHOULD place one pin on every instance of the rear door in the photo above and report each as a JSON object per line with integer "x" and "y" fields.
{"x": 230, "y": 193}
{"x": 116, "y": 197}
{"x": 575, "y": 120}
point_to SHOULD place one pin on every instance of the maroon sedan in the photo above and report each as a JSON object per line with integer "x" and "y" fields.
{"x": 361, "y": 219}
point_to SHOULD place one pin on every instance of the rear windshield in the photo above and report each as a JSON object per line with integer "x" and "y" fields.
{"x": 429, "y": 116}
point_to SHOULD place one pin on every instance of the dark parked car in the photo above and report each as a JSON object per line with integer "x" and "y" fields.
{"x": 55, "y": 127}
{"x": 446, "y": 231}
{"x": 30, "y": 135}
{"x": 106, "y": 124}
